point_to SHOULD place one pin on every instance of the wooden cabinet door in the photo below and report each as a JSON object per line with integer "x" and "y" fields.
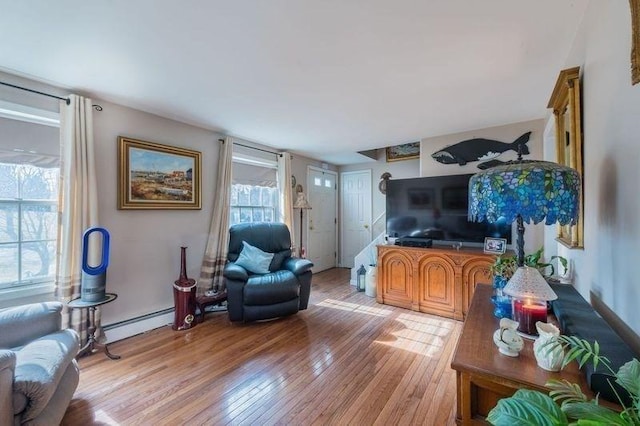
{"x": 395, "y": 278}
{"x": 436, "y": 285}
{"x": 477, "y": 270}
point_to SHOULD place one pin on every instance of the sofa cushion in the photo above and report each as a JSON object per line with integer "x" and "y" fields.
{"x": 39, "y": 368}
{"x": 268, "y": 289}
{"x": 253, "y": 259}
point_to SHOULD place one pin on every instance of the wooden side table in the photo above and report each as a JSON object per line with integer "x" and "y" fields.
{"x": 92, "y": 344}
{"x": 484, "y": 376}
{"x": 203, "y": 301}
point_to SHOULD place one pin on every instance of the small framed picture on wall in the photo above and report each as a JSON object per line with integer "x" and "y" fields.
{"x": 495, "y": 245}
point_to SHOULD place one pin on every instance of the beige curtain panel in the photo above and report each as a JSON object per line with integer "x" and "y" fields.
{"x": 77, "y": 204}
{"x": 215, "y": 255}
{"x": 286, "y": 193}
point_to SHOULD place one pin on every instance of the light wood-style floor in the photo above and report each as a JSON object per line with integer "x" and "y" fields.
{"x": 345, "y": 361}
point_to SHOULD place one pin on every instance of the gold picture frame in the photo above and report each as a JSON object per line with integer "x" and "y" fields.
{"x": 635, "y": 41}
{"x": 405, "y": 151}
{"x": 565, "y": 101}
{"x": 156, "y": 176}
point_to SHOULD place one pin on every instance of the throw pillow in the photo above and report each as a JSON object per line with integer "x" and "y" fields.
{"x": 253, "y": 259}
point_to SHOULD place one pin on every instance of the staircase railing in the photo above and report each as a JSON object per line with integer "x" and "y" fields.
{"x": 368, "y": 255}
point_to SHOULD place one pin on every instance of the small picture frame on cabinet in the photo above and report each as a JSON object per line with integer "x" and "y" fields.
{"x": 495, "y": 245}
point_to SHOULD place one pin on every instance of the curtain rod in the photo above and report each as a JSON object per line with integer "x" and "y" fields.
{"x": 253, "y": 147}
{"x": 66, "y": 100}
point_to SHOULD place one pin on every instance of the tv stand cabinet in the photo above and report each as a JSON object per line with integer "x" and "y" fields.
{"x": 437, "y": 280}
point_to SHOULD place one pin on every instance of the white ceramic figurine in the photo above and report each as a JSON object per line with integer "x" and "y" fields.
{"x": 507, "y": 338}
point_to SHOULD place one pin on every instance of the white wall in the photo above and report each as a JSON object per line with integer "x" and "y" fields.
{"x": 398, "y": 169}
{"x": 506, "y": 134}
{"x": 534, "y": 234}
{"x": 145, "y": 244}
{"x": 611, "y": 108}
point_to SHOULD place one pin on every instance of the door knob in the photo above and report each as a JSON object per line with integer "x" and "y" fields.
{"x": 366, "y": 227}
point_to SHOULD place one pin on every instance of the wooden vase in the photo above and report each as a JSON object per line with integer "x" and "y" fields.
{"x": 184, "y": 296}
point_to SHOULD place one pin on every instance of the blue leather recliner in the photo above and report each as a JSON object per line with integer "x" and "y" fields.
{"x": 283, "y": 290}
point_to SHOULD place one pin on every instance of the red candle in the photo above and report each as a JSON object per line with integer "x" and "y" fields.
{"x": 527, "y": 313}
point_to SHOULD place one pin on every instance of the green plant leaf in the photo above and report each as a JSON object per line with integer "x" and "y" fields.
{"x": 562, "y": 261}
{"x": 573, "y": 353}
{"x": 629, "y": 377}
{"x": 564, "y": 391}
{"x": 527, "y": 407}
{"x": 596, "y": 359}
{"x": 585, "y": 358}
{"x": 591, "y": 411}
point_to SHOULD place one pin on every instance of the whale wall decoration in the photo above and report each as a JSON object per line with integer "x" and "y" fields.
{"x": 480, "y": 149}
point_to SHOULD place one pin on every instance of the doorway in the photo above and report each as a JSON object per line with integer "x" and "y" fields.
{"x": 323, "y": 218}
{"x": 355, "y": 218}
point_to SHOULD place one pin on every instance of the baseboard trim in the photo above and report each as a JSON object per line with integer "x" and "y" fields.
{"x": 133, "y": 326}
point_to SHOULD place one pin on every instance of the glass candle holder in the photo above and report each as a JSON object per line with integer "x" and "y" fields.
{"x": 502, "y": 306}
{"x": 527, "y": 313}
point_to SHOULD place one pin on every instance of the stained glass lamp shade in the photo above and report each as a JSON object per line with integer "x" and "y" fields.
{"x": 525, "y": 191}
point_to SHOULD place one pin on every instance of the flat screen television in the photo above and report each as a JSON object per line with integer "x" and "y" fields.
{"x": 436, "y": 208}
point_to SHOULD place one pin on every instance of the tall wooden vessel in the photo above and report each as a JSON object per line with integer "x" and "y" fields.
{"x": 184, "y": 297}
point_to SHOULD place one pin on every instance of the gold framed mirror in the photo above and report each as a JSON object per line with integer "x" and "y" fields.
{"x": 565, "y": 101}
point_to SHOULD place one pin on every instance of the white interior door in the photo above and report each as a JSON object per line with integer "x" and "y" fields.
{"x": 323, "y": 222}
{"x": 355, "y": 218}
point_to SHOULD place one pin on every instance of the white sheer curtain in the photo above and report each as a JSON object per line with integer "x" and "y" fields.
{"x": 77, "y": 203}
{"x": 286, "y": 194}
{"x": 215, "y": 255}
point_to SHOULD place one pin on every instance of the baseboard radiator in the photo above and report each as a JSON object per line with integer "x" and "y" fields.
{"x": 130, "y": 327}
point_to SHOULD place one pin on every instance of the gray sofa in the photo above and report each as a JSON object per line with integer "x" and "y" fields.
{"x": 38, "y": 371}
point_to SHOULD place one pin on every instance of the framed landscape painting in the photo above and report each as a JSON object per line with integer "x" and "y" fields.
{"x": 155, "y": 176}
{"x": 405, "y": 151}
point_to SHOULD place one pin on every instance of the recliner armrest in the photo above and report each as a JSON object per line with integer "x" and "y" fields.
{"x": 22, "y": 324}
{"x": 7, "y": 360}
{"x": 297, "y": 266}
{"x": 7, "y": 369}
{"x": 40, "y": 366}
{"x": 235, "y": 272}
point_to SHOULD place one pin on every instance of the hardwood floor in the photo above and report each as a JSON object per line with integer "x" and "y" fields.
{"x": 345, "y": 360}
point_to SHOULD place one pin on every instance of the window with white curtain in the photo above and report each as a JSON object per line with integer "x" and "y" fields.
{"x": 254, "y": 190}
{"x": 29, "y": 174}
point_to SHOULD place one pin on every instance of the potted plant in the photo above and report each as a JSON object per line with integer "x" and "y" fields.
{"x": 546, "y": 268}
{"x": 566, "y": 404}
{"x": 503, "y": 269}
{"x": 505, "y": 265}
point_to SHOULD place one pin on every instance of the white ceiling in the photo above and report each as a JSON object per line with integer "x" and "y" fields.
{"x": 322, "y": 78}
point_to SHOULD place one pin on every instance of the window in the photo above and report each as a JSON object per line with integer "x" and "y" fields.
{"x": 29, "y": 173}
{"x": 254, "y": 191}
{"x": 28, "y": 224}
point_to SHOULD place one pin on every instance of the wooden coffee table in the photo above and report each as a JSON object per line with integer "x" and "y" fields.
{"x": 203, "y": 301}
